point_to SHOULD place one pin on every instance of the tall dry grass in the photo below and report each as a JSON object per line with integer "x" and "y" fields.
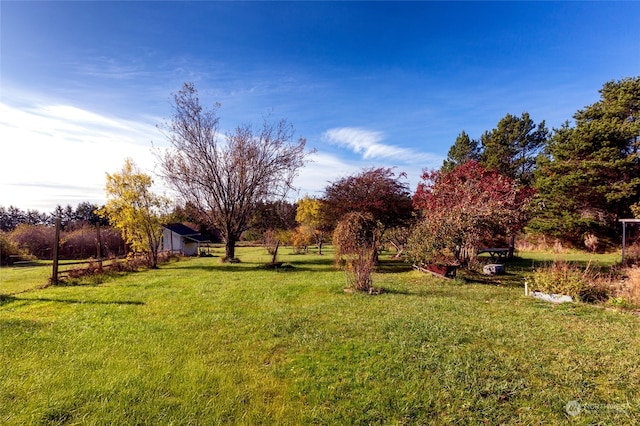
{"x": 626, "y": 290}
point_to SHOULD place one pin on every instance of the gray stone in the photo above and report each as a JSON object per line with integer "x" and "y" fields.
{"x": 493, "y": 269}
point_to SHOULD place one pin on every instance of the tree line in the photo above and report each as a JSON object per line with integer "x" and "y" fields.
{"x": 84, "y": 213}
{"x": 585, "y": 175}
{"x": 571, "y": 183}
{"x": 32, "y": 233}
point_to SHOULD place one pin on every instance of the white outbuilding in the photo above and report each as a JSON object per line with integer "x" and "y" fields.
{"x": 177, "y": 237}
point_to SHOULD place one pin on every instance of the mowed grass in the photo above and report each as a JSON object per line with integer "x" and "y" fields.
{"x": 199, "y": 342}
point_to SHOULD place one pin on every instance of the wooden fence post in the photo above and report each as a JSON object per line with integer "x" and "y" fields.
{"x": 56, "y": 246}
{"x": 99, "y": 246}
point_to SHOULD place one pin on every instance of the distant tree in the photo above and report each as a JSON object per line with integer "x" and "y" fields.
{"x": 302, "y": 238}
{"x": 590, "y": 176}
{"x": 66, "y": 215}
{"x": 458, "y": 209}
{"x": 6, "y": 223}
{"x": 189, "y": 215}
{"x": 513, "y": 146}
{"x": 273, "y": 215}
{"x": 225, "y": 177}
{"x": 398, "y": 237}
{"x": 35, "y": 217}
{"x": 463, "y": 150}
{"x": 309, "y": 216}
{"x": 88, "y": 213}
{"x": 376, "y": 191}
{"x": 136, "y": 211}
{"x": 12, "y": 217}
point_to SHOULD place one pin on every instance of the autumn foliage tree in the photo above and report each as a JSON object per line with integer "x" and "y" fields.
{"x": 135, "y": 210}
{"x": 302, "y": 238}
{"x": 225, "y": 176}
{"x": 459, "y": 208}
{"x": 309, "y": 215}
{"x": 376, "y": 191}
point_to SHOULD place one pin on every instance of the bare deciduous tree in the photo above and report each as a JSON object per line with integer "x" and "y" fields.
{"x": 225, "y": 176}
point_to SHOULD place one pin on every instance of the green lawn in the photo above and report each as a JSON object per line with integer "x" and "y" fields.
{"x": 199, "y": 342}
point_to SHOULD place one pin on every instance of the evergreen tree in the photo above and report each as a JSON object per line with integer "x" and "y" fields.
{"x": 463, "y": 150}
{"x": 591, "y": 174}
{"x": 512, "y": 147}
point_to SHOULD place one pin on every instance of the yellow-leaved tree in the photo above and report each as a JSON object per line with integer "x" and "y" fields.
{"x": 309, "y": 216}
{"x": 135, "y": 210}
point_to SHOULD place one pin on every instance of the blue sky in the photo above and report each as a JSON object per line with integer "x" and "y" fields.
{"x": 83, "y": 84}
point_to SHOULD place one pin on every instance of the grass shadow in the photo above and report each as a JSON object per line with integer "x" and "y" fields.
{"x": 386, "y": 290}
{"x": 509, "y": 279}
{"x": 323, "y": 260}
{"x": 80, "y": 302}
{"x": 392, "y": 266}
{"x": 6, "y": 299}
{"x": 226, "y": 267}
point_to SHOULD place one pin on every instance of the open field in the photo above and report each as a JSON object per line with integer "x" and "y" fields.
{"x": 199, "y": 342}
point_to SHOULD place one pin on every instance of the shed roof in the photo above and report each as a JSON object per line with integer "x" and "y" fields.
{"x": 181, "y": 229}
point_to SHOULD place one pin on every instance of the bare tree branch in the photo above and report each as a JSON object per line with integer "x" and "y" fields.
{"x": 225, "y": 176}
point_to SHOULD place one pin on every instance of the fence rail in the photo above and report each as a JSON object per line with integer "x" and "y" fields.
{"x": 103, "y": 263}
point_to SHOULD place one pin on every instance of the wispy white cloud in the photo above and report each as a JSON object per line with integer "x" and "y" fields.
{"x": 59, "y": 154}
{"x": 368, "y": 144}
{"x": 55, "y": 153}
{"x": 326, "y": 168}
{"x": 323, "y": 169}
{"x": 373, "y": 152}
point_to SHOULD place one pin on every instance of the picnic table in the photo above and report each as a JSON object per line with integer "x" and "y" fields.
{"x": 495, "y": 252}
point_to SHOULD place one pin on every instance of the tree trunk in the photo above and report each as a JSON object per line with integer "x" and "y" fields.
{"x": 512, "y": 246}
{"x": 275, "y": 253}
{"x": 230, "y": 249}
{"x": 154, "y": 258}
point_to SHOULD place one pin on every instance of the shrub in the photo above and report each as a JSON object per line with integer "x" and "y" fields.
{"x": 355, "y": 242}
{"x": 8, "y": 249}
{"x": 626, "y": 291}
{"x": 131, "y": 264}
{"x": 79, "y": 244}
{"x": 93, "y": 268}
{"x": 561, "y": 277}
{"x": 591, "y": 242}
{"x": 112, "y": 243}
{"x": 37, "y": 240}
{"x": 632, "y": 255}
